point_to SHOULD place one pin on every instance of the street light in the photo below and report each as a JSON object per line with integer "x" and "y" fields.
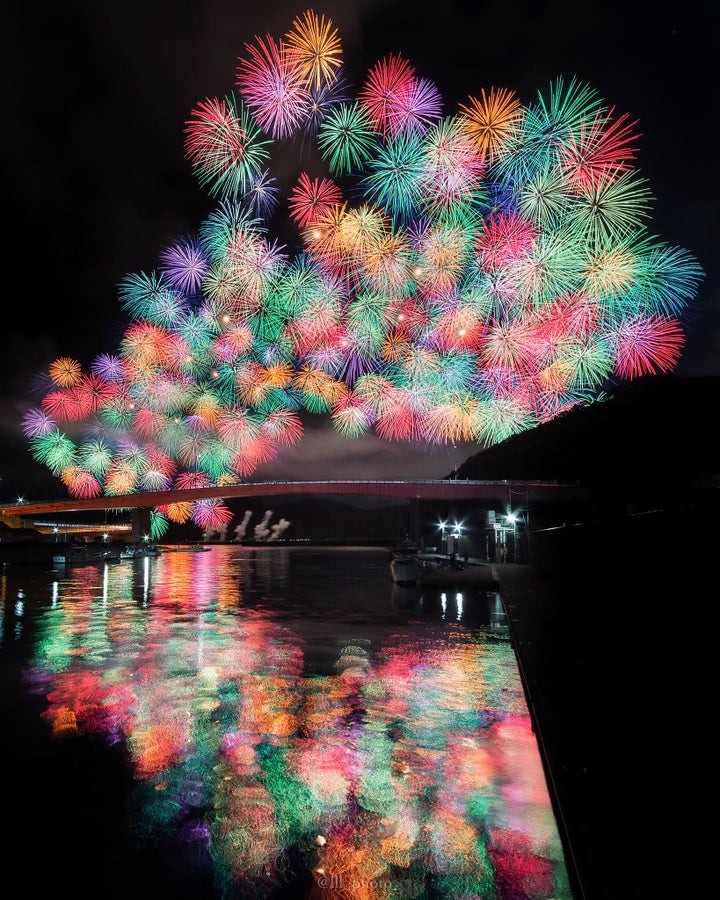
{"x": 443, "y": 545}
{"x": 457, "y": 534}
{"x": 513, "y": 520}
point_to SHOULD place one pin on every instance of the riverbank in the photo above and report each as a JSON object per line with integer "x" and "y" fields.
{"x": 615, "y": 655}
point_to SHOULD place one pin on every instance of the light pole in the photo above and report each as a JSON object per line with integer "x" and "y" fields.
{"x": 512, "y": 520}
{"x": 457, "y": 534}
{"x": 443, "y": 545}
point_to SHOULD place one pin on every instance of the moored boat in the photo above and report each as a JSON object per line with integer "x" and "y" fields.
{"x": 405, "y": 569}
{"x": 405, "y": 564}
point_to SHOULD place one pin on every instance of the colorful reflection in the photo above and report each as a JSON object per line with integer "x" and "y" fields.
{"x": 408, "y": 768}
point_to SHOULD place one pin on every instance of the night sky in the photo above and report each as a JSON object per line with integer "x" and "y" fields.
{"x": 96, "y": 181}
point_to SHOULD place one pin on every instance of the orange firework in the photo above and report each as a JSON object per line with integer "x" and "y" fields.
{"x": 65, "y": 371}
{"x": 490, "y": 120}
{"x": 318, "y": 48}
{"x": 177, "y": 512}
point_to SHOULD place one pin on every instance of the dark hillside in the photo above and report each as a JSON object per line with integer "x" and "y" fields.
{"x": 654, "y": 428}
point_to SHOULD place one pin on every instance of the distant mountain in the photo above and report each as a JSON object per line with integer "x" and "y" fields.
{"x": 656, "y": 429}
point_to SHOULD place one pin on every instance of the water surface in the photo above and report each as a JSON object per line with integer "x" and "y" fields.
{"x": 267, "y": 722}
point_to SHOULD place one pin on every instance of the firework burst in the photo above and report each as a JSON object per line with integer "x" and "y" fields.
{"x": 463, "y": 275}
{"x": 224, "y": 146}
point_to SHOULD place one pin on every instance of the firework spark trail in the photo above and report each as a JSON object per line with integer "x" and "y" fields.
{"x": 464, "y": 274}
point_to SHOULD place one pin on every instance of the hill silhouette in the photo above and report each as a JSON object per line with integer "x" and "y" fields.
{"x": 657, "y": 429}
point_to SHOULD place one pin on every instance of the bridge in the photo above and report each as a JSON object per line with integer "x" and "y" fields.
{"x": 496, "y": 493}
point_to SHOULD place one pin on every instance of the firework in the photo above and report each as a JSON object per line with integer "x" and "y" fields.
{"x": 65, "y": 372}
{"x": 386, "y": 83}
{"x": 346, "y": 138}
{"x": 184, "y": 265}
{"x": 461, "y": 275}
{"x": 273, "y": 82}
{"x": 311, "y": 198}
{"x": 317, "y": 48}
{"x": 491, "y": 119}
{"x": 224, "y": 146}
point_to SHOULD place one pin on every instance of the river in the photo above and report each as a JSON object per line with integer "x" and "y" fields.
{"x": 265, "y": 722}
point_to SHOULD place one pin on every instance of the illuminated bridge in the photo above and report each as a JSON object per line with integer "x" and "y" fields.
{"x": 491, "y": 492}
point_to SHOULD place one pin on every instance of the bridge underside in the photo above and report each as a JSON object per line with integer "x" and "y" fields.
{"x": 496, "y": 492}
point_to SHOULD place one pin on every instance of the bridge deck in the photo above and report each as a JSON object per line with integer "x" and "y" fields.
{"x": 441, "y": 489}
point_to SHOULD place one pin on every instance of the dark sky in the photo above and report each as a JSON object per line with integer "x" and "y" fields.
{"x": 96, "y": 181}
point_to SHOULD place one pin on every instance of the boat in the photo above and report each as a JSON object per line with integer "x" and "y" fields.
{"x": 405, "y": 566}
{"x": 79, "y": 555}
{"x": 136, "y": 551}
{"x": 405, "y": 569}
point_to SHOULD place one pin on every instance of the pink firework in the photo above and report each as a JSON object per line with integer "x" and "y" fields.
{"x": 284, "y": 426}
{"x": 237, "y": 427}
{"x": 417, "y": 104}
{"x": 261, "y": 449}
{"x": 412, "y": 318}
{"x": 211, "y": 513}
{"x": 599, "y": 147}
{"x": 508, "y": 346}
{"x": 189, "y": 480}
{"x": 147, "y": 346}
{"x": 579, "y": 314}
{"x": 161, "y": 462}
{"x": 272, "y": 84}
{"x": 401, "y": 419}
{"x": 222, "y": 143}
{"x": 64, "y": 406}
{"x": 458, "y": 328}
{"x": 38, "y": 422}
{"x": 647, "y": 345}
{"x": 453, "y": 167}
{"x": 231, "y": 344}
{"x": 325, "y": 241}
{"x": 351, "y": 415}
{"x": 93, "y": 392}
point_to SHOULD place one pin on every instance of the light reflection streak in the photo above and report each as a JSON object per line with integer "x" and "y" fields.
{"x": 414, "y": 758}
{"x": 3, "y": 598}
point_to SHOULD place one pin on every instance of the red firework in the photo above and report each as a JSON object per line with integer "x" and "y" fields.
{"x": 310, "y": 199}
{"x": 505, "y": 238}
{"x": 80, "y": 483}
{"x": 386, "y": 83}
{"x": 598, "y": 148}
{"x": 64, "y": 406}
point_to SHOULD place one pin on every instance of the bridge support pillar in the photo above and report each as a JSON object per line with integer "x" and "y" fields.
{"x": 414, "y": 519}
{"x": 140, "y": 524}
